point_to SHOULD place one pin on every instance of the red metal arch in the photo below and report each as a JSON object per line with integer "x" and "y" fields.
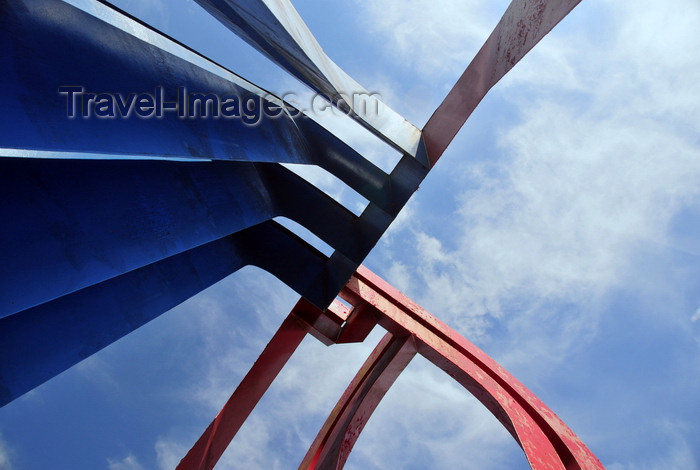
{"x": 547, "y": 442}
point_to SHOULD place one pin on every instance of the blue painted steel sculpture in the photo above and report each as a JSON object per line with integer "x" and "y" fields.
{"x": 119, "y": 204}
{"x": 116, "y": 220}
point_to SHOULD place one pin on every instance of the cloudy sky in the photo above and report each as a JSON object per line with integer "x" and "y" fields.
{"x": 559, "y": 232}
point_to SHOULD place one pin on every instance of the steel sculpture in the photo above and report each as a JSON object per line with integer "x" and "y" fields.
{"x": 547, "y": 442}
{"x": 118, "y": 219}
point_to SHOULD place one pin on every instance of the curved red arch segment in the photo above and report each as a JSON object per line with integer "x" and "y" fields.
{"x": 337, "y": 437}
{"x": 547, "y": 442}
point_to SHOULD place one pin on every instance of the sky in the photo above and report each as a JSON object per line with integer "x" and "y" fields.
{"x": 560, "y": 232}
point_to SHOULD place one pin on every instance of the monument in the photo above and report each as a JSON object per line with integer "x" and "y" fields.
{"x": 137, "y": 172}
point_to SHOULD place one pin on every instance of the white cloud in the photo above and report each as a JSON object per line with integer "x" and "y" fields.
{"x": 284, "y": 424}
{"x": 696, "y": 316}
{"x": 233, "y": 321}
{"x": 433, "y": 39}
{"x": 400, "y": 223}
{"x": 601, "y": 158}
{"x": 237, "y": 319}
{"x": 169, "y": 452}
{"x": 130, "y": 462}
{"x": 427, "y": 420}
{"x": 584, "y": 180}
{"x": 677, "y": 455}
{"x": 285, "y": 421}
{"x": 5, "y": 453}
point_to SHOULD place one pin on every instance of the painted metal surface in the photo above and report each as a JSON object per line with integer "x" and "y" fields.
{"x": 275, "y": 28}
{"x": 111, "y": 214}
{"x": 48, "y": 44}
{"x": 42, "y": 52}
{"x": 333, "y": 444}
{"x": 546, "y": 441}
{"x": 39, "y": 343}
{"x": 118, "y": 220}
{"x": 523, "y": 25}
{"x": 78, "y": 223}
{"x": 212, "y": 444}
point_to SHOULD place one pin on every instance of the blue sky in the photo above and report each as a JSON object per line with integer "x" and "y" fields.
{"x": 559, "y": 232}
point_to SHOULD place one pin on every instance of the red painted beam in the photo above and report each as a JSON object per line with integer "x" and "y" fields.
{"x": 208, "y": 449}
{"x": 546, "y": 440}
{"x": 338, "y": 435}
{"x": 522, "y": 26}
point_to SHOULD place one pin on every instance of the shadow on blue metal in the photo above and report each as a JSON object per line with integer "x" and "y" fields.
{"x": 124, "y": 205}
{"x": 135, "y": 172}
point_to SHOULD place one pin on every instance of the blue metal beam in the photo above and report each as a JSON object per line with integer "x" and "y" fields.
{"x": 51, "y": 49}
{"x": 76, "y": 223}
{"x": 116, "y": 220}
{"x": 275, "y": 28}
{"x": 43, "y": 341}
